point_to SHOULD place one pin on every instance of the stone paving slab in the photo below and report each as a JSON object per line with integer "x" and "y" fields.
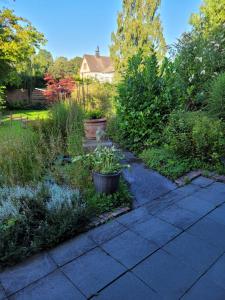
{"x": 205, "y": 290}
{"x": 72, "y": 249}
{"x": 106, "y": 232}
{"x": 167, "y": 275}
{"x": 15, "y": 278}
{"x": 195, "y": 205}
{"x": 93, "y": 271}
{"x": 129, "y": 248}
{"x": 211, "y": 231}
{"x": 156, "y": 230}
{"x": 202, "y": 181}
{"x": 173, "y": 197}
{"x": 127, "y": 287}
{"x": 197, "y": 253}
{"x": 137, "y": 215}
{"x": 179, "y": 217}
{"x": 218, "y": 214}
{"x": 214, "y": 194}
{"x": 146, "y": 184}
{"x": 217, "y": 273}
{"x": 53, "y": 287}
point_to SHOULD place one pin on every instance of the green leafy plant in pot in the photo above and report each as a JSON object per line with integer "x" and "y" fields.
{"x": 94, "y": 120}
{"x": 106, "y": 167}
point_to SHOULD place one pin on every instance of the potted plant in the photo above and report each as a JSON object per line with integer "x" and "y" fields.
{"x": 105, "y": 164}
{"x": 94, "y": 121}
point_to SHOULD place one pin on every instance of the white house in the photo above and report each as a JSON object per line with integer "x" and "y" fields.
{"x": 97, "y": 67}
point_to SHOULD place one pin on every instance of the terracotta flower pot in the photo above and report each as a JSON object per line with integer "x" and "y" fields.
{"x": 107, "y": 184}
{"x": 91, "y": 126}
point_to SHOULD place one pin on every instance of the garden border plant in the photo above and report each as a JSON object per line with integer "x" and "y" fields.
{"x": 31, "y": 221}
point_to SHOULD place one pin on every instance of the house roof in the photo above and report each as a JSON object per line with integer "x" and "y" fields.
{"x": 101, "y": 64}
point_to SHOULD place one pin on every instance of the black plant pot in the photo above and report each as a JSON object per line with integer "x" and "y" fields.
{"x": 107, "y": 184}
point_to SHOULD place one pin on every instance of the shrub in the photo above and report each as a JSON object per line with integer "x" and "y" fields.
{"x": 141, "y": 109}
{"x": 216, "y": 104}
{"x": 113, "y": 129}
{"x": 167, "y": 162}
{"x": 209, "y": 139}
{"x": 178, "y": 133}
{"x": 36, "y": 218}
{"x": 197, "y": 60}
{"x": 195, "y": 135}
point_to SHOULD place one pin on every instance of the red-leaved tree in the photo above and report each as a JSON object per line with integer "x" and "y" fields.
{"x": 58, "y": 89}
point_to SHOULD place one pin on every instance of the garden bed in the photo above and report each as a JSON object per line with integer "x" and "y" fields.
{"x": 44, "y": 199}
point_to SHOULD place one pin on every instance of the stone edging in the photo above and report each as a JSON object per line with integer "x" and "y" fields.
{"x": 103, "y": 218}
{"x": 183, "y": 180}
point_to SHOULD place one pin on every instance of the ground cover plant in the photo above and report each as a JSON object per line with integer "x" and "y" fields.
{"x": 44, "y": 198}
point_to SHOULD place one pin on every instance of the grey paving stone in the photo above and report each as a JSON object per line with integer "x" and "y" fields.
{"x": 205, "y": 290}
{"x": 188, "y": 189}
{"x": 137, "y": 215}
{"x": 218, "y": 215}
{"x": 106, "y": 232}
{"x": 217, "y": 272}
{"x": 72, "y": 249}
{"x": 178, "y": 216}
{"x": 55, "y": 286}
{"x": 193, "y": 203}
{"x": 146, "y": 184}
{"x": 167, "y": 275}
{"x": 214, "y": 194}
{"x": 129, "y": 248}
{"x": 197, "y": 253}
{"x": 93, "y": 271}
{"x": 156, "y": 206}
{"x": 2, "y": 293}
{"x": 19, "y": 276}
{"x": 202, "y": 181}
{"x": 210, "y": 231}
{"x": 127, "y": 287}
{"x": 156, "y": 230}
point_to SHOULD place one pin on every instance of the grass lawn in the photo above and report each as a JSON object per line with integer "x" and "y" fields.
{"x": 16, "y": 125}
{"x": 30, "y": 114}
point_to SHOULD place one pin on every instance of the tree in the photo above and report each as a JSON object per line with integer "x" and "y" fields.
{"x": 62, "y": 67}
{"x": 41, "y": 62}
{"x": 210, "y": 16}
{"x": 18, "y": 43}
{"x": 138, "y": 27}
{"x": 58, "y": 89}
{"x": 74, "y": 65}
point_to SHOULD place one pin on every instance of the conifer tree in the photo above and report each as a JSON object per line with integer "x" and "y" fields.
{"x": 138, "y": 28}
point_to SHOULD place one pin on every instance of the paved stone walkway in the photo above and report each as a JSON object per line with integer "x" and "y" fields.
{"x": 171, "y": 246}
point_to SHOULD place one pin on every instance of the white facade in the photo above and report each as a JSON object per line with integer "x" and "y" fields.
{"x": 86, "y": 72}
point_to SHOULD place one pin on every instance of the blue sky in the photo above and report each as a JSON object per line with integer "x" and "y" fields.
{"x": 75, "y": 27}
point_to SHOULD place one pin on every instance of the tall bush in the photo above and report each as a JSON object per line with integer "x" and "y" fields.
{"x": 141, "y": 108}
{"x": 194, "y": 134}
{"x": 216, "y": 104}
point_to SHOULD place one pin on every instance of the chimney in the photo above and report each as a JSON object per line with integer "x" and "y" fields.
{"x": 97, "y": 52}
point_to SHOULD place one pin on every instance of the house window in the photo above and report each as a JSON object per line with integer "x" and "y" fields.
{"x": 85, "y": 66}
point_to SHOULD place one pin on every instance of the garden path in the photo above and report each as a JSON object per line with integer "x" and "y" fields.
{"x": 171, "y": 246}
